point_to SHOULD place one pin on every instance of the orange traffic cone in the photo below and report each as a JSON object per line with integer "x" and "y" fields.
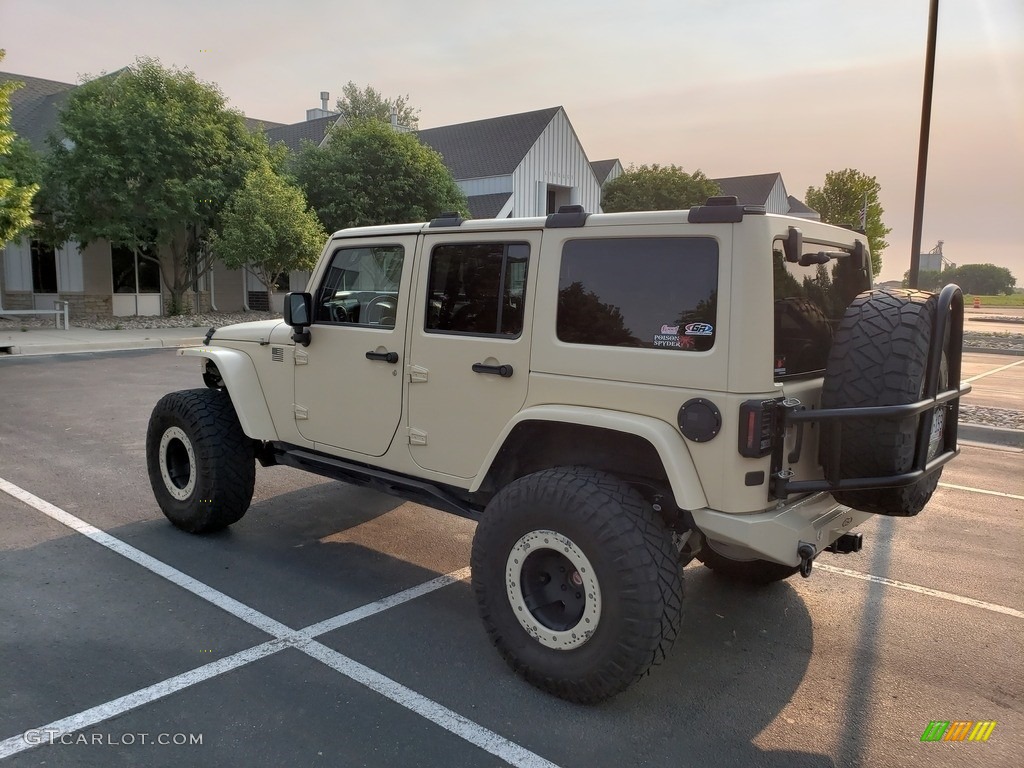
{"x": 977, "y": 302}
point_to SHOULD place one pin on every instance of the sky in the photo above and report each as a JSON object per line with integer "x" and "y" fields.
{"x": 729, "y": 87}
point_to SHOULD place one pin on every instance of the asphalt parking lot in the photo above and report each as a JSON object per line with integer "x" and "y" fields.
{"x": 322, "y": 628}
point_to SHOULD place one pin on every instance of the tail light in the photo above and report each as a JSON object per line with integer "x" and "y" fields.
{"x": 757, "y": 427}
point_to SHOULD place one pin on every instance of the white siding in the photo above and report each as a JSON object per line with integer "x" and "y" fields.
{"x": 556, "y": 158}
{"x": 487, "y": 185}
{"x": 18, "y": 265}
{"x": 778, "y": 200}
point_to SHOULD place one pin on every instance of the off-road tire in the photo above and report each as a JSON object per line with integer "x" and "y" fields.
{"x": 754, "y": 571}
{"x": 633, "y": 563}
{"x": 199, "y": 427}
{"x": 879, "y": 358}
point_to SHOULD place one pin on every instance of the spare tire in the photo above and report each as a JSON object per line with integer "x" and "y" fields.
{"x": 879, "y": 357}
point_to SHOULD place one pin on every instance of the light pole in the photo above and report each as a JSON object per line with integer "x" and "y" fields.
{"x": 922, "y": 152}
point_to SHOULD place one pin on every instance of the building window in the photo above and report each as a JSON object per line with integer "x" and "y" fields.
{"x": 44, "y": 268}
{"x": 134, "y": 273}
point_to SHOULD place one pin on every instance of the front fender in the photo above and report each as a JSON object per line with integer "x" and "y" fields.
{"x": 243, "y": 385}
{"x": 666, "y": 440}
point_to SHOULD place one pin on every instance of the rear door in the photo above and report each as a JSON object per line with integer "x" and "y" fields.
{"x": 469, "y": 359}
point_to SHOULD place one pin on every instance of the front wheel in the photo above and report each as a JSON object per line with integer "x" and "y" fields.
{"x": 201, "y": 465}
{"x": 577, "y": 582}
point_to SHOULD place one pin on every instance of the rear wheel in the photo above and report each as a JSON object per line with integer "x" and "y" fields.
{"x": 577, "y": 582}
{"x": 736, "y": 563}
{"x": 879, "y": 358}
{"x": 201, "y": 464}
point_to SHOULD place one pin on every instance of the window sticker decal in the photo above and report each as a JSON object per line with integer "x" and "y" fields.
{"x": 699, "y": 329}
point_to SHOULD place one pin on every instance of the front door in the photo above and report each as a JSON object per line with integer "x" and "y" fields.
{"x": 348, "y": 381}
{"x": 469, "y": 363}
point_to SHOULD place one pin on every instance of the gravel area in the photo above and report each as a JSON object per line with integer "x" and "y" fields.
{"x": 991, "y": 417}
{"x": 214, "y": 319}
{"x": 994, "y": 340}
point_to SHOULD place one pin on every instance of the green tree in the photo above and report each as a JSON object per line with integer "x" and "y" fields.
{"x": 268, "y": 228}
{"x": 977, "y": 279}
{"x": 840, "y": 200}
{"x": 983, "y": 279}
{"x": 656, "y": 188}
{"x": 149, "y": 159}
{"x": 367, "y": 173}
{"x": 16, "y": 192}
{"x": 358, "y": 104}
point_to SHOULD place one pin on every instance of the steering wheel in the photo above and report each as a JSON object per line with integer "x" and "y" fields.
{"x": 375, "y": 301}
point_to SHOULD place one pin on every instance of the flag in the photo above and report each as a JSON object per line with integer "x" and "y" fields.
{"x": 864, "y": 214}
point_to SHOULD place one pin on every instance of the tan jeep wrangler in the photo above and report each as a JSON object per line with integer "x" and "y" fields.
{"x": 609, "y": 395}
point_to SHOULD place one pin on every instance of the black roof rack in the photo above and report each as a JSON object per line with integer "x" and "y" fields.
{"x": 722, "y": 210}
{"x": 567, "y": 216}
{"x": 447, "y": 219}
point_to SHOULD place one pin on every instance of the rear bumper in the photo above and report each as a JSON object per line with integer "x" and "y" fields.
{"x": 775, "y": 535}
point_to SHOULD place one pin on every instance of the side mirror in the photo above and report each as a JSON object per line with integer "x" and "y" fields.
{"x": 794, "y": 245}
{"x": 298, "y": 313}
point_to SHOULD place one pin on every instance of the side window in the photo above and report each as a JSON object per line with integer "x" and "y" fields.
{"x": 361, "y": 286}
{"x": 477, "y": 288}
{"x": 657, "y": 292}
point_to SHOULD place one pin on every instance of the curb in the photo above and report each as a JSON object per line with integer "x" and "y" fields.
{"x": 994, "y": 351}
{"x": 982, "y": 433}
{"x": 103, "y": 346}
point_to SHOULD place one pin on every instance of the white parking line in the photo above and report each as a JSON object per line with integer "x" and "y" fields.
{"x": 989, "y": 373}
{"x": 922, "y": 590}
{"x": 90, "y": 717}
{"x": 285, "y": 637}
{"x": 981, "y": 490}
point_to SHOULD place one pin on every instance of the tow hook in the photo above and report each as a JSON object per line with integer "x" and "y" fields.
{"x": 847, "y": 543}
{"x": 806, "y": 552}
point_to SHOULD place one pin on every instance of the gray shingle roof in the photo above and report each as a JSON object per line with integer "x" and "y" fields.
{"x": 751, "y": 190}
{"x": 254, "y": 123}
{"x": 799, "y": 207}
{"x": 492, "y": 147}
{"x": 487, "y": 206}
{"x": 602, "y": 168}
{"x": 311, "y": 130}
{"x": 34, "y": 107}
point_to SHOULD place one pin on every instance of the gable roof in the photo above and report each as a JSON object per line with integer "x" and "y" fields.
{"x": 34, "y": 107}
{"x": 800, "y": 208}
{"x": 487, "y": 206}
{"x": 254, "y": 124}
{"x": 602, "y": 168}
{"x": 491, "y": 147}
{"x": 751, "y": 190}
{"x": 312, "y": 130}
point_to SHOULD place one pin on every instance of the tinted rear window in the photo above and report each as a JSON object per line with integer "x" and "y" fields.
{"x": 657, "y": 293}
{"x": 809, "y": 304}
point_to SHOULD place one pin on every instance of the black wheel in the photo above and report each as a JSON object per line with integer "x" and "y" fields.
{"x": 879, "y": 358}
{"x": 577, "y": 582}
{"x": 201, "y": 465}
{"x": 737, "y": 564}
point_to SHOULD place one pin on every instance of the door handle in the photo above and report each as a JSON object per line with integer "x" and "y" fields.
{"x": 497, "y": 370}
{"x": 387, "y": 357}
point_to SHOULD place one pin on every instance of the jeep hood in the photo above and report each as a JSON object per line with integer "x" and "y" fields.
{"x": 257, "y": 331}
